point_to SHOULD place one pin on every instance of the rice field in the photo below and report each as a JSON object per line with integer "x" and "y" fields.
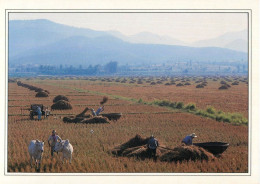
{"x": 92, "y": 149}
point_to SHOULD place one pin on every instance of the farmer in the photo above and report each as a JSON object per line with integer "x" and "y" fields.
{"x": 188, "y": 139}
{"x": 39, "y": 112}
{"x": 152, "y": 146}
{"x": 53, "y": 139}
{"x": 99, "y": 110}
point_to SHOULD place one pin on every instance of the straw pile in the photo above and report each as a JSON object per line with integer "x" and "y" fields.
{"x": 105, "y": 99}
{"x": 61, "y": 105}
{"x": 134, "y": 144}
{"x": 95, "y": 120}
{"x": 181, "y": 153}
{"x": 41, "y": 94}
{"x": 60, "y": 97}
{"x": 223, "y": 87}
{"x": 89, "y": 119}
{"x": 137, "y": 147}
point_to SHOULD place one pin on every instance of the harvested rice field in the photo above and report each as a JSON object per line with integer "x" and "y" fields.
{"x": 217, "y": 116}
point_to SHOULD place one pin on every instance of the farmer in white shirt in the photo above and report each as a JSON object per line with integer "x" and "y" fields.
{"x": 52, "y": 140}
{"x": 188, "y": 139}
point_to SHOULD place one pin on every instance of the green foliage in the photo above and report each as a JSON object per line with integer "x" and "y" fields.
{"x": 180, "y": 105}
{"x": 211, "y": 110}
{"x": 140, "y": 100}
{"x": 191, "y": 107}
{"x": 165, "y": 103}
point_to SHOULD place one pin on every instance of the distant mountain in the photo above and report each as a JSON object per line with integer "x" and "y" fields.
{"x": 239, "y": 45}
{"x": 45, "y": 42}
{"x": 232, "y": 40}
{"x": 83, "y": 50}
{"x": 27, "y": 34}
{"x": 149, "y": 38}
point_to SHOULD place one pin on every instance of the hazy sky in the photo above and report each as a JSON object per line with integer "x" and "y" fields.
{"x": 188, "y": 27}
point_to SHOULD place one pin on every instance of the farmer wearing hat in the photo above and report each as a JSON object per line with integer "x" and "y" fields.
{"x": 188, "y": 139}
{"x": 53, "y": 139}
{"x": 152, "y": 146}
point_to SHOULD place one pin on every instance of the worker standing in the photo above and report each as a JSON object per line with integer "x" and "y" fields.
{"x": 188, "y": 139}
{"x": 152, "y": 146}
{"x": 52, "y": 140}
{"x": 39, "y": 112}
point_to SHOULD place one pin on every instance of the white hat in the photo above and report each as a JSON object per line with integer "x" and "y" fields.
{"x": 193, "y": 135}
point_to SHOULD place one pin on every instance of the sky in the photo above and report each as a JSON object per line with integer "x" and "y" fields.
{"x": 187, "y": 27}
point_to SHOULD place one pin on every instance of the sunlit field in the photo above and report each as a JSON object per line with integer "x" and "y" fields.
{"x": 140, "y": 102}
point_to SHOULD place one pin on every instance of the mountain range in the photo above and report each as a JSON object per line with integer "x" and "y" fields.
{"x": 44, "y": 42}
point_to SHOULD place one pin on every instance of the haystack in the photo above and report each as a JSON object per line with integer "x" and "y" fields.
{"x": 200, "y": 86}
{"x": 137, "y": 141}
{"x": 223, "y": 87}
{"x": 105, "y": 99}
{"x": 179, "y": 84}
{"x": 61, "y": 105}
{"x": 60, "y": 97}
{"x": 72, "y": 119}
{"x": 38, "y": 89}
{"x": 223, "y": 82}
{"x": 235, "y": 83}
{"x": 95, "y": 120}
{"x": 46, "y": 91}
{"x": 137, "y": 147}
{"x": 41, "y": 94}
{"x": 182, "y": 153}
{"x": 89, "y": 119}
{"x": 19, "y": 83}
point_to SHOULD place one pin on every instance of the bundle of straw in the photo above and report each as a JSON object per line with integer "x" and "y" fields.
{"x": 105, "y": 99}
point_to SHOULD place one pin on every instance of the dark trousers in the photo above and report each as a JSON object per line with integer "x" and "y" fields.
{"x": 151, "y": 152}
{"x": 52, "y": 150}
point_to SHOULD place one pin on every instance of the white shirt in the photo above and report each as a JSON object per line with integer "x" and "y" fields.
{"x": 54, "y": 139}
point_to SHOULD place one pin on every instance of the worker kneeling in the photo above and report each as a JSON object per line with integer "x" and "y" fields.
{"x": 188, "y": 139}
{"x": 152, "y": 146}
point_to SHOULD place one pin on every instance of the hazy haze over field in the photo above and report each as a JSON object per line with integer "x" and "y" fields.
{"x": 186, "y": 27}
{"x": 177, "y": 42}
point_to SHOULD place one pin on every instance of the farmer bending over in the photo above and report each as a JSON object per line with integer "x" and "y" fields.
{"x": 188, "y": 139}
{"x": 100, "y": 109}
{"x": 53, "y": 138}
{"x": 152, "y": 146}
